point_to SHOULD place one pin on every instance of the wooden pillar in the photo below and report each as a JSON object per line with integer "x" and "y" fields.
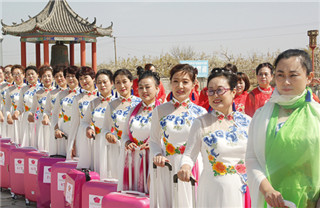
{"x": 24, "y": 54}
{"x": 38, "y": 59}
{"x": 46, "y": 52}
{"x": 94, "y": 56}
{"x": 71, "y": 54}
{"x": 83, "y": 52}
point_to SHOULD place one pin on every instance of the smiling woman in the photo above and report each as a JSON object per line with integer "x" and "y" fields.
{"x": 221, "y": 137}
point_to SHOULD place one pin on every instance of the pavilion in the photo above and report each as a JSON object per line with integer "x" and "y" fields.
{"x": 57, "y": 23}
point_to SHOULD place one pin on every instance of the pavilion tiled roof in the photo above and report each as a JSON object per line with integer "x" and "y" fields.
{"x": 57, "y": 18}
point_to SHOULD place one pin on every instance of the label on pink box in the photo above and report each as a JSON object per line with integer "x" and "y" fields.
{"x": 95, "y": 201}
{"x": 47, "y": 174}
{"x": 61, "y": 181}
{"x": 69, "y": 191}
{"x": 33, "y": 166}
{"x": 19, "y": 165}
{"x": 2, "y": 158}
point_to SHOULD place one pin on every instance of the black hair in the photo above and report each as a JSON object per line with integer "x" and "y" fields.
{"x": 222, "y": 72}
{"x": 245, "y": 78}
{"x": 140, "y": 70}
{"x": 188, "y": 69}
{"x": 267, "y": 64}
{"x": 86, "y": 70}
{"x": 71, "y": 70}
{"x": 106, "y": 72}
{"x": 43, "y": 69}
{"x": 125, "y": 72}
{"x": 58, "y": 68}
{"x": 31, "y": 67}
{"x": 304, "y": 57}
{"x": 149, "y": 73}
{"x": 231, "y": 67}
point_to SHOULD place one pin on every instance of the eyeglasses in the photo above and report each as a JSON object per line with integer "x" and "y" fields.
{"x": 219, "y": 91}
{"x": 17, "y": 75}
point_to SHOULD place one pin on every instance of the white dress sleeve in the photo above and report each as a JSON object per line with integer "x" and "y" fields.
{"x": 47, "y": 110}
{"x": 86, "y": 120}
{"x": 193, "y": 144}
{"x": 8, "y": 102}
{"x": 107, "y": 121}
{"x": 155, "y": 134}
{"x": 35, "y": 103}
{"x": 75, "y": 119}
{"x": 20, "y": 106}
{"x": 57, "y": 108}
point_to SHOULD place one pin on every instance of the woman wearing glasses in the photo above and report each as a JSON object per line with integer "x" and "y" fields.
{"x": 12, "y": 100}
{"x": 170, "y": 127}
{"x": 260, "y": 95}
{"x": 221, "y": 137}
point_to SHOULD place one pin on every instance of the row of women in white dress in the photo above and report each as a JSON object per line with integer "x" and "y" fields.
{"x": 100, "y": 130}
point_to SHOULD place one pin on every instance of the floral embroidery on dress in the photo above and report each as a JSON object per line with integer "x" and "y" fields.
{"x": 65, "y": 117}
{"x": 117, "y": 131}
{"x": 171, "y": 150}
{"x": 177, "y": 104}
{"x": 221, "y": 116}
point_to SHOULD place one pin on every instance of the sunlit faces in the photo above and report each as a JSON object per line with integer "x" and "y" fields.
{"x": 104, "y": 84}
{"x": 47, "y": 79}
{"x": 147, "y": 90}
{"x": 7, "y": 75}
{"x": 86, "y": 82}
{"x": 72, "y": 81}
{"x": 182, "y": 85}
{"x": 31, "y": 76}
{"x": 1, "y": 75}
{"x": 240, "y": 86}
{"x": 123, "y": 85}
{"x": 264, "y": 77}
{"x": 291, "y": 77}
{"x": 222, "y": 102}
{"x": 60, "y": 80}
{"x": 18, "y": 76}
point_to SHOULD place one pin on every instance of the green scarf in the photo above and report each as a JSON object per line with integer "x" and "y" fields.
{"x": 293, "y": 154}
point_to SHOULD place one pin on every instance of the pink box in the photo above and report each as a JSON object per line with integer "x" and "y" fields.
{"x": 44, "y": 180}
{"x": 58, "y": 176}
{"x": 130, "y": 199}
{"x": 94, "y": 191}
{"x": 31, "y": 175}
{"x": 5, "y": 149}
{"x": 16, "y": 169}
{"x": 73, "y": 186}
{"x": 5, "y": 140}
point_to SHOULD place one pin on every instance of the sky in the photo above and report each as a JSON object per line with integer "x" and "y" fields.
{"x": 152, "y": 28}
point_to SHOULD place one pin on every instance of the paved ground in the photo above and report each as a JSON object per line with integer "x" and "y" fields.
{"x": 7, "y": 201}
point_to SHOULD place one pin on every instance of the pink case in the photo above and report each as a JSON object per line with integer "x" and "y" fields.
{"x": 31, "y": 175}
{"x": 44, "y": 180}
{"x": 16, "y": 169}
{"x": 58, "y": 176}
{"x": 93, "y": 192}
{"x": 130, "y": 199}
{"x": 5, "y": 140}
{"x": 5, "y": 150}
{"x": 73, "y": 186}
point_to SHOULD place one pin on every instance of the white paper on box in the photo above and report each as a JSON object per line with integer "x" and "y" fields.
{"x": 33, "y": 166}
{"x": 95, "y": 201}
{"x": 61, "y": 181}
{"x": 19, "y": 165}
{"x": 69, "y": 191}
{"x": 2, "y": 158}
{"x": 47, "y": 174}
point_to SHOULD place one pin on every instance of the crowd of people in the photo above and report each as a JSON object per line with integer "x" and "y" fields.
{"x": 257, "y": 148}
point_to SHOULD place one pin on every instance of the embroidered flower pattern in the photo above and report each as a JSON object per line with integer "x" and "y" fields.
{"x": 184, "y": 104}
{"x": 117, "y": 132}
{"x": 220, "y": 116}
{"x": 171, "y": 150}
{"x": 97, "y": 130}
{"x": 26, "y": 108}
{"x": 65, "y": 117}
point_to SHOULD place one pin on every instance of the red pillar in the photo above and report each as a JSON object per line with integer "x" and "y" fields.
{"x": 38, "y": 59}
{"x": 94, "y": 56}
{"x": 83, "y": 52}
{"x": 24, "y": 54}
{"x": 71, "y": 54}
{"x": 46, "y": 52}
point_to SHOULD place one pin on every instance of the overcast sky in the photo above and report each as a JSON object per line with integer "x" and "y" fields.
{"x": 155, "y": 27}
